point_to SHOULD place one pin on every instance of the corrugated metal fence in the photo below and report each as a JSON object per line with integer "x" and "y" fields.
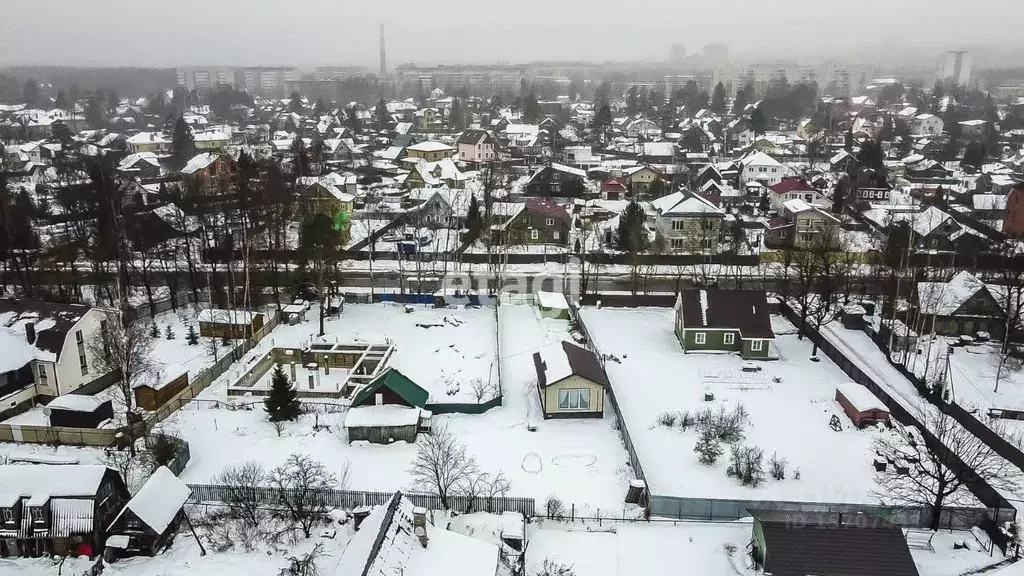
{"x": 214, "y": 494}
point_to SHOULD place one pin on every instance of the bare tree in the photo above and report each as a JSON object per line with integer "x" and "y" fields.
{"x": 555, "y": 568}
{"x": 481, "y": 389}
{"x": 306, "y": 565}
{"x": 125, "y": 350}
{"x": 301, "y": 482}
{"x": 240, "y": 485}
{"x": 442, "y": 464}
{"x": 920, "y": 474}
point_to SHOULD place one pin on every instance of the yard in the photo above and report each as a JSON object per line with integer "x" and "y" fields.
{"x": 582, "y": 462}
{"x": 789, "y": 405}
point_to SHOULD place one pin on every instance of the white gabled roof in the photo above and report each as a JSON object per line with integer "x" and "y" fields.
{"x": 159, "y": 500}
{"x": 860, "y": 397}
{"x": 430, "y": 146}
{"x": 760, "y": 159}
{"x": 679, "y": 203}
{"x": 199, "y": 162}
{"x": 945, "y": 298}
{"x": 568, "y": 169}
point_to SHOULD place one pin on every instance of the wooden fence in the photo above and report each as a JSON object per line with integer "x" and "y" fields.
{"x": 348, "y": 499}
{"x": 105, "y": 437}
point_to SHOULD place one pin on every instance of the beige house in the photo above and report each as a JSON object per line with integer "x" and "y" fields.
{"x": 571, "y": 382}
{"x": 689, "y": 223}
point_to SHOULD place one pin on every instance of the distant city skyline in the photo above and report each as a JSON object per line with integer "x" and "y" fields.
{"x": 308, "y": 33}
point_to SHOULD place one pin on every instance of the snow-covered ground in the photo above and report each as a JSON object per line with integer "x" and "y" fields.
{"x": 176, "y": 351}
{"x": 789, "y": 417}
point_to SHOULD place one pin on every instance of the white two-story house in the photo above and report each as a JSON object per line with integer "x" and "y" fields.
{"x": 762, "y": 168}
{"x": 47, "y": 349}
{"x": 687, "y": 223}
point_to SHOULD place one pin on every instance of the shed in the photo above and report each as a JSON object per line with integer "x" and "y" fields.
{"x": 553, "y": 305}
{"x": 853, "y": 316}
{"x": 794, "y": 543}
{"x": 391, "y": 387}
{"x": 78, "y": 411}
{"x": 160, "y": 388}
{"x": 234, "y": 324}
{"x": 148, "y": 522}
{"x": 382, "y": 424}
{"x": 861, "y": 405}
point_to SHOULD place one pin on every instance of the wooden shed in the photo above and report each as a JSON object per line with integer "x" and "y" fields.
{"x": 553, "y": 305}
{"x": 78, "y": 411}
{"x": 148, "y": 522}
{"x": 861, "y": 405}
{"x": 234, "y": 324}
{"x": 387, "y": 409}
{"x": 158, "y": 390}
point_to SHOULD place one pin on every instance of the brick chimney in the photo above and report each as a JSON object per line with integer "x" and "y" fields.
{"x": 30, "y": 332}
{"x": 419, "y": 525}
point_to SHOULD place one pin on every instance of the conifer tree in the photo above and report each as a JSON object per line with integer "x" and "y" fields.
{"x": 192, "y": 338}
{"x": 283, "y": 402}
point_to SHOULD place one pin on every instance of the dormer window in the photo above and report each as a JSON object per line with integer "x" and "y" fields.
{"x": 7, "y": 515}
{"x": 38, "y": 515}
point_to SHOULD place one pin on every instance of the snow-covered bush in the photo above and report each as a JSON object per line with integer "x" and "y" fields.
{"x": 726, "y": 426}
{"x": 667, "y": 419}
{"x": 707, "y": 448}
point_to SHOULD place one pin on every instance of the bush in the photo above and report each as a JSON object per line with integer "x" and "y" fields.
{"x": 686, "y": 420}
{"x": 746, "y": 463}
{"x": 554, "y": 508}
{"x": 777, "y": 466}
{"x": 707, "y": 448}
{"x": 667, "y": 419}
{"x": 726, "y": 426}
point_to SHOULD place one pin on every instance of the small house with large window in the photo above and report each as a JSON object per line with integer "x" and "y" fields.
{"x": 387, "y": 409}
{"x": 724, "y": 321}
{"x": 148, "y": 521}
{"x": 571, "y": 382}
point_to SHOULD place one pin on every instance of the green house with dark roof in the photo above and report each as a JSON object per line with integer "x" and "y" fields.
{"x": 391, "y": 387}
{"x": 724, "y": 321}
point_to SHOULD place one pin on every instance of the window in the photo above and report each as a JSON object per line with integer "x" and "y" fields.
{"x": 700, "y": 338}
{"x": 756, "y": 345}
{"x": 44, "y": 381}
{"x": 574, "y": 399}
{"x": 677, "y": 225}
{"x": 782, "y": 234}
{"x": 82, "y": 359}
{"x": 7, "y": 515}
{"x": 730, "y": 338}
{"x": 677, "y": 243}
{"x": 534, "y": 234}
{"x": 549, "y": 222}
{"x": 36, "y": 512}
{"x": 555, "y": 235}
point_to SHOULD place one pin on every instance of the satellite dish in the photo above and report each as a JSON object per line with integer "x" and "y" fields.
{"x": 47, "y": 411}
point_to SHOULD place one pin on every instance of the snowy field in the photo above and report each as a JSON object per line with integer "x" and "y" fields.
{"x": 789, "y": 417}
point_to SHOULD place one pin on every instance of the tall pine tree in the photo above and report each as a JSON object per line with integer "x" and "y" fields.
{"x": 457, "y": 118}
{"x": 381, "y": 114}
{"x": 183, "y": 144}
{"x": 283, "y": 402}
{"x": 718, "y": 99}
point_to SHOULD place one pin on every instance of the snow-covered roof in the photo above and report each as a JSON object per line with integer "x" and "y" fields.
{"x": 988, "y": 201}
{"x": 386, "y": 545}
{"x": 218, "y": 316}
{"x": 860, "y": 397}
{"x": 760, "y": 159}
{"x": 159, "y": 500}
{"x": 430, "y": 146}
{"x": 945, "y": 298}
{"x": 76, "y": 403}
{"x": 568, "y": 169}
{"x": 17, "y": 352}
{"x": 387, "y": 415}
{"x": 797, "y": 205}
{"x": 199, "y": 162}
{"x": 552, "y": 300}
{"x": 659, "y": 148}
{"x": 43, "y": 481}
{"x": 684, "y": 202}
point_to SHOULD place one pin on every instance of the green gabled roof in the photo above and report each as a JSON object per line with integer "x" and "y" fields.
{"x": 399, "y": 384}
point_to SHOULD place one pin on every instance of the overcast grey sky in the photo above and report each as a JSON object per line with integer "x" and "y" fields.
{"x": 317, "y": 32}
